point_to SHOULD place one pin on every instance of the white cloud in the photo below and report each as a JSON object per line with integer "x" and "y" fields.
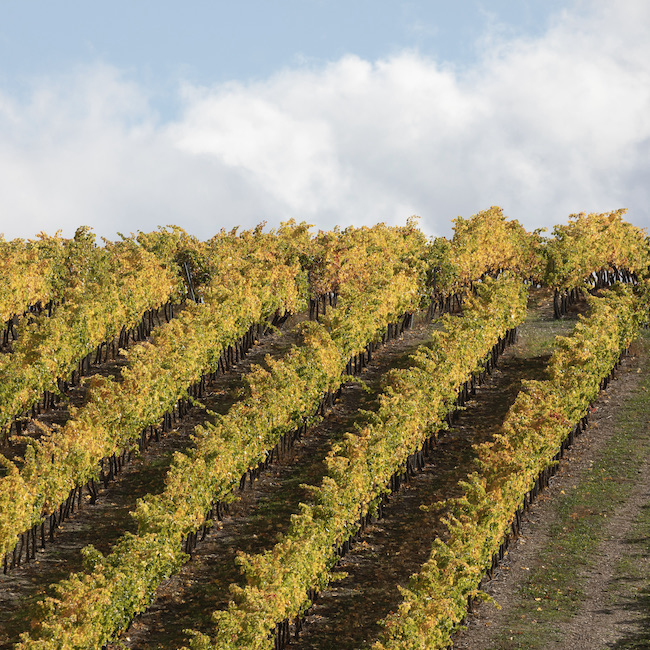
{"x": 543, "y": 127}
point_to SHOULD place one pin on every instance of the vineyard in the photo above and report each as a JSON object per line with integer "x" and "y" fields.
{"x": 286, "y": 438}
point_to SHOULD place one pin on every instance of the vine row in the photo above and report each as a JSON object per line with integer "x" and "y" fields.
{"x": 100, "y": 355}
{"x": 115, "y": 415}
{"x": 512, "y": 468}
{"x": 49, "y": 349}
{"x": 279, "y": 400}
{"x": 281, "y": 581}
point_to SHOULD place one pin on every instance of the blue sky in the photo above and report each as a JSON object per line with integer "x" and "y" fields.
{"x": 135, "y": 114}
{"x": 162, "y": 43}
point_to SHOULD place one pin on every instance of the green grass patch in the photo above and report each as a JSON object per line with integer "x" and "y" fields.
{"x": 553, "y": 592}
{"x": 634, "y": 565}
{"x": 537, "y": 334}
{"x": 630, "y": 588}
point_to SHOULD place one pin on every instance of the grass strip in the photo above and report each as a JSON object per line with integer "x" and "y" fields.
{"x": 554, "y": 591}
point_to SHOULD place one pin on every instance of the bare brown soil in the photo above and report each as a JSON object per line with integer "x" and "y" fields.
{"x": 346, "y": 615}
{"x": 261, "y": 513}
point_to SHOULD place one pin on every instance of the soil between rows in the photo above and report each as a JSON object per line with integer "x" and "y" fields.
{"x": 346, "y": 615}
{"x": 390, "y": 551}
{"x": 261, "y": 513}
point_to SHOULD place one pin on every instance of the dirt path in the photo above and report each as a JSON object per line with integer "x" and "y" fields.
{"x": 104, "y": 522}
{"x": 609, "y": 605}
{"x": 604, "y": 620}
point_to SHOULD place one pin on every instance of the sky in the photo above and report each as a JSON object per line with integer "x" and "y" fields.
{"x": 130, "y": 115}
